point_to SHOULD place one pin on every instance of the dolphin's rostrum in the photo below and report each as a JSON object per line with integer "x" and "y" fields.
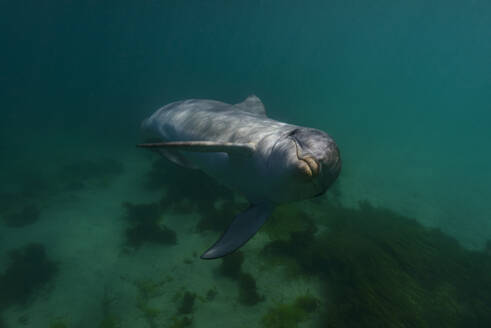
{"x": 269, "y": 162}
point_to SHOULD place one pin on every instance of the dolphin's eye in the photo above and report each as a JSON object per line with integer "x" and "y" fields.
{"x": 292, "y": 132}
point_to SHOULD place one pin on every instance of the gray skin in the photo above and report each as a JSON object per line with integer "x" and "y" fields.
{"x": 269, "y": 162}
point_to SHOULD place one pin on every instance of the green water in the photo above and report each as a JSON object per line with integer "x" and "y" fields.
{"x": 97, "y": 233}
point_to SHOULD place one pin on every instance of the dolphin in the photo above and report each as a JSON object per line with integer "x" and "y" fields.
{"x": 268, "y": 161}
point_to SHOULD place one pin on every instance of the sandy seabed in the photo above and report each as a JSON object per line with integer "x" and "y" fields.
{"x": 100, "y": 281}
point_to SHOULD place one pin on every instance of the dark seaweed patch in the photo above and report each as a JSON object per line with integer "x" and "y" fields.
{"x": 231, "y": 265}
{"x": 290, "y": 315}
{"x": 307, "y": 303}
{"x": 181, "y": 322}
{"x": 383, "y": 269}
{"x": 288, "y": 219}
{"x": 28, "y": 271}
{"x": 144, "y": 225}
{"x": 109, "y": 318}
{"x": 248, "y": 294}
{"x": 187, "y": 303}
{"x": 211, "y": 294}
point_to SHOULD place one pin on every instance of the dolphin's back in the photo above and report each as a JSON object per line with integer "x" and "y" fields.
{"x": 209, "y": 120}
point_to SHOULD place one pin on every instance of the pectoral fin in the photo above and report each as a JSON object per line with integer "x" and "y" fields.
{"x": 203, "y": 146}
{"x": 176, "y": 157}
{"x": 244, "y": 226}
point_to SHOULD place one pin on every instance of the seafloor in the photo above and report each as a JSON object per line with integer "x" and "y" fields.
{"x": 115, "y": 242}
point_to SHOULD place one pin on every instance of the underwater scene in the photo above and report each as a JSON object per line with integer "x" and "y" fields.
{"x": 97, "y": 232}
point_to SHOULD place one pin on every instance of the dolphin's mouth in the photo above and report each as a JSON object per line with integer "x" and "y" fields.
{"x": 308, "y": 165}
{"x": 312, "y": 164}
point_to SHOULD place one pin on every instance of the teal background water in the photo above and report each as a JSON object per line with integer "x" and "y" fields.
{"x": 403, "y": 87}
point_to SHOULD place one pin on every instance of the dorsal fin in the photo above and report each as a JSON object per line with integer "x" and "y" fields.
{"x": 252, "y": 104}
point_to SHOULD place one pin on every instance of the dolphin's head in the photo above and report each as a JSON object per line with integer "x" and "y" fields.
{"x": 304, "y": 162}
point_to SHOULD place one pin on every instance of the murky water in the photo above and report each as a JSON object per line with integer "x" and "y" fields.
{"x": 97, "y": 233}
